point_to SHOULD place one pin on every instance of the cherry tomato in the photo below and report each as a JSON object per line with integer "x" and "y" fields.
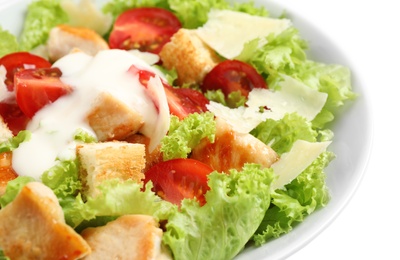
{"x": 17, "y": 61}
{"x": 233, "y": 75}
{"x": 184, "y": 101}
{"x": 146, "y": 29}
{"x": 177, "y": 179}
{"x": 12, "y": 115}
{"x": 35, "y": 88}
{"x": 181, "y": 101}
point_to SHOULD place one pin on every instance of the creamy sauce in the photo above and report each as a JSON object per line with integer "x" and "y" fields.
{"x": 53, "y": 127}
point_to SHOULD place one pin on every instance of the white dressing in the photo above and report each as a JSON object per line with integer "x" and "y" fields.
{"x": 53, "y": 127}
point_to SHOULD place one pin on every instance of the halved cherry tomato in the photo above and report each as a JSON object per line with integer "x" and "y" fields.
{"x": 185, "y": 101}
{"x": 177, "y": 179}
{"x": 35, "y": 88}
{"x": 233, "y": 75}
{"x": 146, "y": 29}
{"x": 181, "y": 101}
{"x": 12, "y": 115}
{"x": 18, "y": 61}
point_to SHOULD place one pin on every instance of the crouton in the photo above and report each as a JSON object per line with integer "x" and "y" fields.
{"x": 7, "y": 173}
{"x": 190, "y": 56}
{"x": 231, "y": 150}
{"x": 64, "y": 38}
{"x": 153, "y": 157}
{"x": 128, "y": 237}
{"x": 111, "y": 119}
{"x": 33, "y": 227}
{"x": 110, "y": 160}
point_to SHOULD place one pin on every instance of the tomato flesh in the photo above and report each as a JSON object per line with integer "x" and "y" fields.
{"x": 233, "y": 75}
{"x": 181, "y": 101}
{"x": 18, "y": 61}
{"x": 35, "y": 88}
{"x": 177, "y": 179}
{"x": 184, "y": 101}
{"x": 146, "y": 29}
{"x": 12, "y": 115}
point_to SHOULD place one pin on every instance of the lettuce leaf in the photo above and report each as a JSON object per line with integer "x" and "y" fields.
{"x": 286, "y": 54}
{"x": 41, "y": 17}
{"x": 117, "y": 7}
{"x": 8, "y": 43}
{"x": 281, "y": 134}
{"x": 116, "y": 199}
{"x": 307, "y": 193}
{"x": 14, "y": 142}
{"x": 184, "y": 135}
{"x": 63, "y": 179}
{"x": 13, "y": 188}
{"x": 236, "y": 204}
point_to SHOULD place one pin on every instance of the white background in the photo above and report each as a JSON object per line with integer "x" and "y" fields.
{"x": 368, "y": 32}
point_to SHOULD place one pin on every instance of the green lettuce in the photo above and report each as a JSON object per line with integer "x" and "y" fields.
{"x": 184, "y": 135}
{"x": 41, "y": 17}
{"x": 236, "y": 205}
{"x": 116, "y": 7}
{"x": 2, "y": 256}
{"x": 14, "y": 142}
{"x": 13, "y": 188}
{"x": 233, "y": 100}
{"x": 286, "y": 54}
{"x": 8, "y": 43}
{"x": 117, "y": 198}
{"x": 307, "y": 193}
{"x": 281, "y": 134}
{"x": 63, "y": 179}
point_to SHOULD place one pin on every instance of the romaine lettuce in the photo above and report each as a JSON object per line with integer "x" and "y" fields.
{"x": 236, "y": 204}
{"x": 41, "y": 17}
{"x": 8, "y": 43}
{"x": 301, "y": 197}
{"x": 15, "y": 141}
{"x": 184, "y": 135}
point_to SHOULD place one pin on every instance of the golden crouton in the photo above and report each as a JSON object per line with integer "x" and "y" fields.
{"x": 231, "y": 150}
{"x": 110, "y": 160}
{"x": 111, "y": 119}
{"x": 153, "y": 157}
{"x": 129, "y": 237}
{"x": 190, "y": 56}
{"x": 6, "y": 171}
{"x": 33, "y": 227}
{"x": 64, "y": 38}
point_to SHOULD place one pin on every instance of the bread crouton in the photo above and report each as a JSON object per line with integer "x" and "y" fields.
{"x": 111, "y": 160}
{"x": 64, "y": 38}
{"x": 190, "y": 56}
{"x": 231, "y": 150}
{"x": 7, "y": 173}
{"x": 111, "y": 119}
{"x": 33, "y": 227}
{"x": 128, "y": 237}
{"x": 152, "y": 157}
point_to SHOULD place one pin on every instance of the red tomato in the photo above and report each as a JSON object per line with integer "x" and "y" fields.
{"x": 17, "y": 61}
{"x": 146, "y": 29}
{"x": 233, "y": 75}
{"x": 181, "y": 101}
{"x": 177, "y": 179}
{"x": 35, "y": 88}
{"x": 184, "y": 101}
{"x": 12, "y": 115}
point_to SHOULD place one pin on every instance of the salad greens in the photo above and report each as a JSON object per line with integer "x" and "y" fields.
{"x": 241, "y": 202}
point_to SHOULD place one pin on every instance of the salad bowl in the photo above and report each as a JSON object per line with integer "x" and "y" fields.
{"x": 352, "y": 128}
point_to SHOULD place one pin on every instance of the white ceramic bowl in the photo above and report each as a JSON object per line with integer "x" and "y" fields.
{"x": 352, "y": 142}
